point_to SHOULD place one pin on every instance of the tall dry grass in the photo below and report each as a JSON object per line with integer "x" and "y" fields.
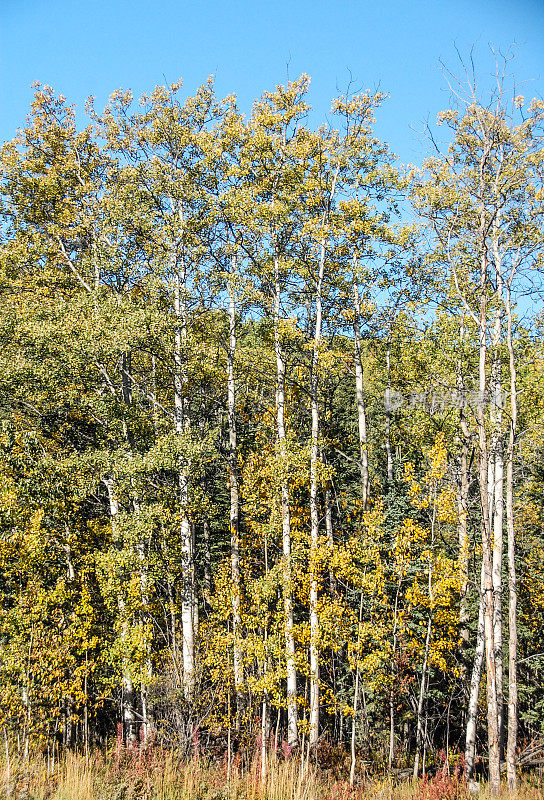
{"x": 162, "y": 775}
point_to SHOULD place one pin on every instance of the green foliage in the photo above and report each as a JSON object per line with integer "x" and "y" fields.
{"x": 122, "y": 245}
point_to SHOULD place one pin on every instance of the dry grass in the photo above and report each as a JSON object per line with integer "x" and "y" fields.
{"x": 158, "y": 775}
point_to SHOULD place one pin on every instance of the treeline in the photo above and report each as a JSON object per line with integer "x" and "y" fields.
{"x": 271, "y": 456}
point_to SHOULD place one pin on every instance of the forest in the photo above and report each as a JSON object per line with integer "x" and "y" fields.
{"x": 272, "y": 435}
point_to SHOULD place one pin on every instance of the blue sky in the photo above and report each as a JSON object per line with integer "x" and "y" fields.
{"x": 83, "y": 47}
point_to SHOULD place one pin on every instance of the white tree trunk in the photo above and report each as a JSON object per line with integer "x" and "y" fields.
{"x": 487, "y": 554}
{"x": 314, "y": 512}
{"x": 330, "y": 535}
{"x": 292, "y": 732}
{"x": 391, "y": 754}
{"x": 186, "y": 535}
{"x": 207, "y": 560}
{"x": 421, "y": 700}
{"x": 129, "y": 716}
{"x": 359, "y": 388}
{"x": 498, "y": 511}
{"x": 388, "y": 449}
{"x": 511, "y": 746}
{"x": 462, "y": 496}
{"x": 462, "y": 530}
{"x": 472, "y": 712}
{"x": 234, "y": 503}
{"x": 497, "y": 493}
{"x": 420, "y": 730}
{"x": 354, "y": 724}
{"x": 147, "y": 712}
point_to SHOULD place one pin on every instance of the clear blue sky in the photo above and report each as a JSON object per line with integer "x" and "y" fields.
{"x": 83, "y": 47}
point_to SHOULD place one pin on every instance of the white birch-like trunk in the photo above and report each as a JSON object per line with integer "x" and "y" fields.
{"x": 172, "y": 626}
{"x": 129, "y": 716}
{"x": 186, "y": 534}
{"x": 511, "y": 746}
{"x": 196, "y": 607}
{"x": 355, "y": 699}
{"x": 234, "y": 504}
{"x": 265, "y": 719}
{"x": 421, "y": 701}
{"x": 264, "y": 737}
{"x": 487, "y": 554}
{"x": 292, "y": 732}
{"x": 497, "y": 501}
{"x": 388, "y": 409}
{"x": 462, "y": 503}
{"x": 330, "y": 535}
{"x": 472, "y": 712}
{"x": 422, "y": 688}
{"x": 207, "y": 560}
{"x": 359, "y": 389}
{"x": 147, "y": 711}
{"x": 498, "y": 511}
{"x": 153, "y": 396}
{"x": 314, "y": 511}
{"x": 462, "y": 531}
{"x": 391, "y": 754}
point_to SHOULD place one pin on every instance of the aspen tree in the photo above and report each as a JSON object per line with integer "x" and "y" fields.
{"x": 273, "y": 137}
{"x": 463, "y": 485}
{"x": 343, "y": 160}
{"x": 511, "y": 772}
{"x": 234, "y": 493}
{"x": 166, "y": 146}
{"x": 470, "y": 201}
{"x": 496, "y": 465}
{"x": 68, "y": 169}
{"x": 328, "y": 180}
{"x": 192, "y": 326}
{"x": 359, "y": 390}
{"x": 228, "y": 201}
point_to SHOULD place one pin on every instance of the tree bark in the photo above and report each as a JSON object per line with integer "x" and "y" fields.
{"x": 497, "y": 493}
{"x": 422, "y": 686}
{"x": 487, "y": 555}
{"x": 463, "y": 489}
{"x": 128, "y": 710}
{"x": 314, "y": 511}
{"x": 359, "y": 388}
{"x": 511, "y": 746}
{"x": 147, "y": 710}
{"x": 292, "y": 732}
{"x": 234, "y": 504}
{"x": 392, "y": 690}
{"x": 207, "y": 560}
{"x": 388, "y": 409}
{"x": 355, "y": 698}
{"x": 472, "y": 712}
{"x": 182, "y": 427}
{"x": 330, "y": 535}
